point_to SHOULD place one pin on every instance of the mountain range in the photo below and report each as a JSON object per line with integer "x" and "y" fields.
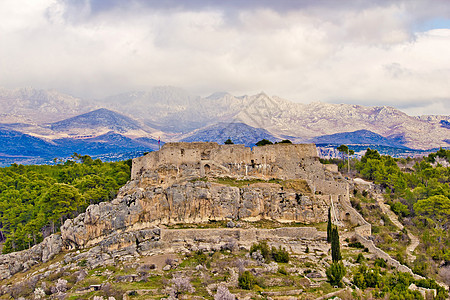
{"x": 48, "y": 124}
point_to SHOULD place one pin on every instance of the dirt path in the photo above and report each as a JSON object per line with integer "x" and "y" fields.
{"x": 394, "y": 219}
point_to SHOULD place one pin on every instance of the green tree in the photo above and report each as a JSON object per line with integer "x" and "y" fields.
{"x": 264, "y": 142}
{"x": 335, "y": 246}
{"x": 345, "y": 150}
{"x": 59, "y": 202}
{"x": 329, "y": 226}
{"x": 335, "y": 273}
{"x": 284, "y": 142}
{"x": 435, "y": 209}
{"x": 228, "y": 142}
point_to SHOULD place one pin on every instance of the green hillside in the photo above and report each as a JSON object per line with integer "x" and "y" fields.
{"x": 35, "y": 200}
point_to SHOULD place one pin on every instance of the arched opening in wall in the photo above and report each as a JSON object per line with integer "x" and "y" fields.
{"x": 347, "y": 216}
{"x": 182, "y": 151}
{"x": 207, "y": 169}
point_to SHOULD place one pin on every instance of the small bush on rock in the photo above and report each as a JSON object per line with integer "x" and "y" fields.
{"x": 246, "y": 280}
{"x": 263, "y": 248}
{"x": 280, "y": 255}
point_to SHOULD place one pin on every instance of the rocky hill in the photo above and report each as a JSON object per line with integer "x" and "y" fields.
{"x": 196, "y": 217}
{"x": 205, "y": 188}
{"x": 364, "y": 137}
{"x": 98, "y": 122}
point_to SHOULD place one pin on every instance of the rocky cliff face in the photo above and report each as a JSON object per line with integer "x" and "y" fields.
{"x": 139, "y": 206}
{"x": 21, "y": 261}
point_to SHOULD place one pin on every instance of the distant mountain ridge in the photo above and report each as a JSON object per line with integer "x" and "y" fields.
{"x": 59, "y": 123}
{"x": 239, "y": 133}
{"x": 40, "y": 106}
{"x": 359, "y": 137}
{"x": 281, "y": 117}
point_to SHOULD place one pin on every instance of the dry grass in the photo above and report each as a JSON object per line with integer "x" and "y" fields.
{"x": 298, "y": 185}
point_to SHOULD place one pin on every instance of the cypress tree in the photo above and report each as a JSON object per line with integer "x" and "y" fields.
{"x": 335, "y": 247}
{"x": 329, "y": 226}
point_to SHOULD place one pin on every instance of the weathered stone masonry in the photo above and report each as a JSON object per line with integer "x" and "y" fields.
{"x": 193, "y": 160}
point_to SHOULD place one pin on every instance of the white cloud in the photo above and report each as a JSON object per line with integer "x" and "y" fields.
{"x": 363, "y": 54}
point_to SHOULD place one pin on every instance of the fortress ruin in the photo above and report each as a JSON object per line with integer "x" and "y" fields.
{"x": 282, "y": 161}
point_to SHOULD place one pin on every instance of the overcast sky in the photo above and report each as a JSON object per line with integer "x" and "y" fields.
{"x": 368, "y": 52}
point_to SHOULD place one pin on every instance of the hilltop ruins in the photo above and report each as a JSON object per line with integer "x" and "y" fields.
{"x": 192, "y": 183}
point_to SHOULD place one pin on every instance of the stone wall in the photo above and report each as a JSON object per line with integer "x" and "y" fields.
{"x": 242, "y": 236}
{"x": 283, "y": 161}
{"x": 381, "y": 254}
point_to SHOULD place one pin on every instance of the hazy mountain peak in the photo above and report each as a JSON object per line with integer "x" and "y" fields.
{"x": 219, "y": 95}
{"x": 99, "y": 118}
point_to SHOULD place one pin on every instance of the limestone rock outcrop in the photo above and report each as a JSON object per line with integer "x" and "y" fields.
{"x": 191, "y": 202}
{"x": 21, "y": 261}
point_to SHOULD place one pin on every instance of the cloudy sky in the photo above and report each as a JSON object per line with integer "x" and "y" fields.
{"x": 368, "y": 52}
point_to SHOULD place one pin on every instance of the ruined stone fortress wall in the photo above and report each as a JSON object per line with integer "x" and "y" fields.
{"x": 283, "y": 161}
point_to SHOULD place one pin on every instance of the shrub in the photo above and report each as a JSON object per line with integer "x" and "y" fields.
{"x": 335, "y": 273}
{"x": 367, "y": 278}
{"x": 246, "y": 280}
{"x": 263, "y": 248}
{"x": 359, "y": 281}
{"x": 400, "y": 209}
{"x": 356, "y": 204}
{"x": 380, "y": 263}
{"x": 200, "y": 257}
{"x": 181, "y": 285}
{"x": 372, "y": 278}
{"x": 282, "y": 270}
{"x": 280, "y": 255}
{"x": 420, "y": 266}
{"x": 82, "y": 263}
{"x": 356, "y": 245}
{"x": 360, "y": 258}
